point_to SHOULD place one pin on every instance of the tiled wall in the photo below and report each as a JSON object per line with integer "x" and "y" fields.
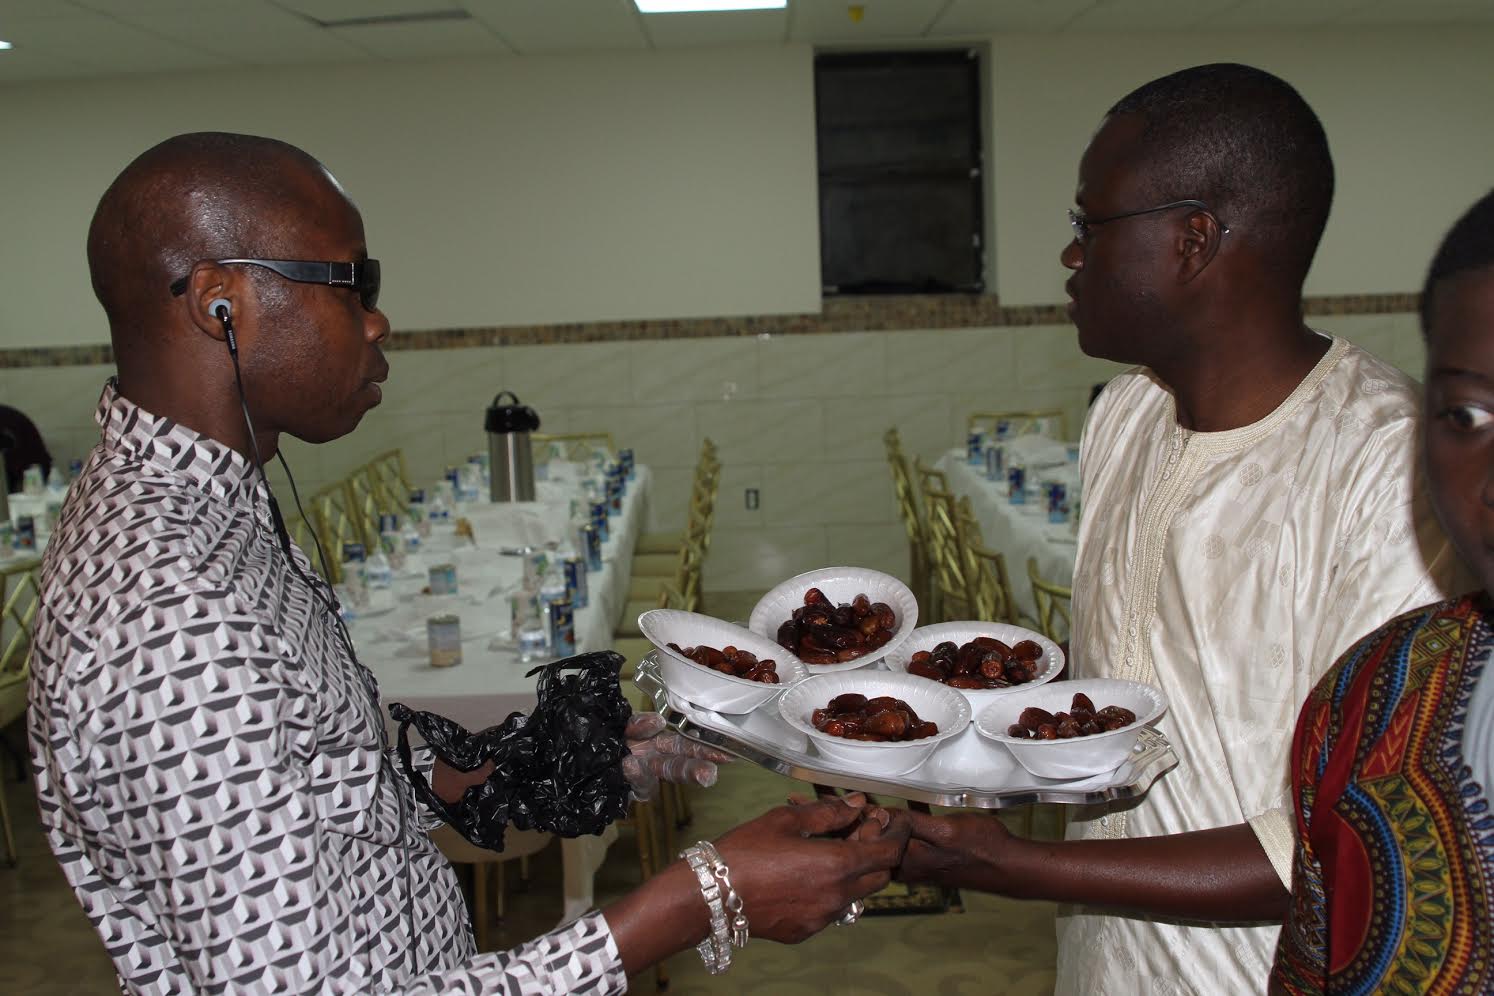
{"x": 799, "y": 417}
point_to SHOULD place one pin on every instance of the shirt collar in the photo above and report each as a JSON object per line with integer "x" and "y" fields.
{"x": 206, "y": 465}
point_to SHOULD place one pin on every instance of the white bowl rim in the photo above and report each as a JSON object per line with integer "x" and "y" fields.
{"x": 964, "y": 717}
{"x": 1054, "y": 666}
{"x": 1157, "y": 696}
{"x": 784, "y": 681}
{"x": 809, "y": 579}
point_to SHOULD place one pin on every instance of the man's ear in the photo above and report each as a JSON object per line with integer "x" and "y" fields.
{"x": 209, "y": 288}
{"x": 1198, "y": 243}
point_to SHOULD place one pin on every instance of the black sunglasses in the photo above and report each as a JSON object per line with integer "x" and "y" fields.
{"x": 362, "y": 276}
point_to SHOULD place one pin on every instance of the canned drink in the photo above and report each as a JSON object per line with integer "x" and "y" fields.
{"x": 599, "y": 518}
{"x": 592, "y": 540}
{"x": 443, "y": 579}
{"x": 630, "y": 469}
{"x": 1016, "y": 478}
{"x": 1003, "y": 429}
{"x": 353, "y": 552}
{"x": 388, "y": 523}
{"x": 417, "y": 496}
{"x": 1058, "y": 506}
{"x": 454, "y": 475}
{"x": 562, "y": 628}
{"x": 444, "y": 634}
{"x": 973, "y": 449}
{"x": 615, "y": 493}
{"x": 575, "y": 581}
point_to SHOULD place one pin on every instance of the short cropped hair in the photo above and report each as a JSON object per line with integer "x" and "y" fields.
{"x": 1468, "y": 245}
{"x": 1244, "y": 142}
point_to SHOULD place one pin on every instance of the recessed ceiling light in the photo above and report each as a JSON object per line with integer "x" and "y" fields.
{"x": 683, "y": 6}
{"x": 4, "y": 45}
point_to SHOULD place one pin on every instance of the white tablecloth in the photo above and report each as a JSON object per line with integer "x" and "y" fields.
{"x": 489, "y": 683}
{"x": 1019, "y": 531}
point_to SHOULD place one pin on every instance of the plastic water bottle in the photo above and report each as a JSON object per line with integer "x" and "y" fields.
{"x": 378, "y": 571}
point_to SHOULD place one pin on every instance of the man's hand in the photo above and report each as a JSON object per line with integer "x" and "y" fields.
{"x": 659, "y": 756}
{"x": 951, "y": 850}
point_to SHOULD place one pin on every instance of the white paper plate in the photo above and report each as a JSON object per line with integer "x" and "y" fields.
{"x": 839, "y": 584}
{"x": 961, "y": 633}
{"x": 719, "y": 692}
{"x": 1079, "y": 756}
{"x": 931, "y": 700}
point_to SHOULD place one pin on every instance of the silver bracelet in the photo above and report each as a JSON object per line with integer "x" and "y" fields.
{"x": 733, "y": 901}
{"x": 715, "y": 950}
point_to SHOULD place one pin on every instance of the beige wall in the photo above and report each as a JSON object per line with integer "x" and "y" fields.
{"x": 810, "y": 442}
{"x": 682, "y": 184}
{"x": 507, "y": 191}
{"x": 1404, "y": 111}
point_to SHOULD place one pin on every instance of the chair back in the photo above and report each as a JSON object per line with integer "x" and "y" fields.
{"x": 1054, "y": 603}
{"x": 20, "y": 596}
{"x": 990, "y": 588}
{"x": 337, "y": 519}
{"x": 912, "y": 515}
{"x": 951, "y": 586}
{"x": 577, "y": 447}
{"x": 1041, "y": 420}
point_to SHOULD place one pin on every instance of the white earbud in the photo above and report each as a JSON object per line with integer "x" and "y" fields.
{"x": 220, "y": 308}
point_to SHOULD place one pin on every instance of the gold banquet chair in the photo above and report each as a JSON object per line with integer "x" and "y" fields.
{"x": 951, "y": 586}
{"x": 915, "y": 520}
{"x": 576, "y": 447}
{"x": 1054, "y": 603}
{"x": 335, "y": 516}
{"x": 20, "y": 596}
{"x": 704, "y": 484}
{"x": 388, "y": 482}
{"x": 648, "y": 568}
{"x": 1022, "y": 422}
{"x": 988, "y": 585}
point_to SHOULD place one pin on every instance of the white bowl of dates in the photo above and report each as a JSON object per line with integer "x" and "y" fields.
{"x": 837, "y": 619}
{"x": 875, "y": 722}
{"x": 717, "y": 665}
{"x": 1072, "y": 729}
{"x": 984, "y": 660}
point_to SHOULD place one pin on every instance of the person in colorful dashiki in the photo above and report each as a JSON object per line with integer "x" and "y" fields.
{"x": 1393, "y": 883}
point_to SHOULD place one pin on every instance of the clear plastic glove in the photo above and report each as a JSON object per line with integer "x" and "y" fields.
{"x": 656, "y": 755}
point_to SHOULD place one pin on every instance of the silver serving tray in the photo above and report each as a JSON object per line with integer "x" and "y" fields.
{"x": 967, "y": 771}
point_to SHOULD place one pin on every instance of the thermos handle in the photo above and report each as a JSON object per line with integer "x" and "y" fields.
{"x": 500, "y": 398}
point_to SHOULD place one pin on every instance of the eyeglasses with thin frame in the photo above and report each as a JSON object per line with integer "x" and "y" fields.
{"x": 1081, "y": 224}
{"x": 362, "y": 276}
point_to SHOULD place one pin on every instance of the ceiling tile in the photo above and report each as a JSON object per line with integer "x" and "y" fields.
{"x": 1147, "y": 15}
{"x": 104, "y": 44}
{"x": 561, "y": 25}
{"x": 1380, "y": 13}
{"x": 267, "y": 37}
{"x": 424, "y": 39}
{"x": 347, "y": 10}
{"x": 828, "y": 21}
{"x": 20, "y": 64}
{"x": 979, "y": 17}
{"x": 1250, "y": 14}
{"x": 737, "y": 27}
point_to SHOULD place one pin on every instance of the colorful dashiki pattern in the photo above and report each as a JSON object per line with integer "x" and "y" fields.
{"x": 1393, "y": 885}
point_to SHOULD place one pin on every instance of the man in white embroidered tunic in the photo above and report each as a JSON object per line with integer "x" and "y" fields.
{"x": 1252, "y": 505}
{"x": 209, "y": 753}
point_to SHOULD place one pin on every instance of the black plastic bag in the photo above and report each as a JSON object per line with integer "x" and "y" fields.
{"x": 558, "y": 770}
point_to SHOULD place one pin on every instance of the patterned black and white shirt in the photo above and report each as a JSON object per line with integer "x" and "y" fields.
{"x": 211, "y": 763}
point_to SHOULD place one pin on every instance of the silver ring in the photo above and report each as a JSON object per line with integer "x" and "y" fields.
{"x": 852, "y": 914}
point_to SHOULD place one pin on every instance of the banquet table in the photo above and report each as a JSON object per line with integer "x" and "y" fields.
{"x": 490, "y": 682}
{"x": 1021, "y": 531}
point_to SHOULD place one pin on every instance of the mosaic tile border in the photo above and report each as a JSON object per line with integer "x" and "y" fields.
{"x": 850, "y": 314}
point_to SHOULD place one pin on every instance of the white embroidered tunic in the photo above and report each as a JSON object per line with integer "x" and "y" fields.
{"x": 210, "y": 762}
{"x": 1231, "y": 569}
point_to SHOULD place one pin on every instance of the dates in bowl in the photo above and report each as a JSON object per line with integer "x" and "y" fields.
{"x": 693, "y": 661}
{"x": 983, "y": 660}
{"x": 855, "y": 709}
{"x": 837, "y": 618}
{"x": 1096, "y": 745}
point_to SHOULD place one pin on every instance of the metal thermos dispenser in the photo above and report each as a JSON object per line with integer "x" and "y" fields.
{"x": 511, "y": 458}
